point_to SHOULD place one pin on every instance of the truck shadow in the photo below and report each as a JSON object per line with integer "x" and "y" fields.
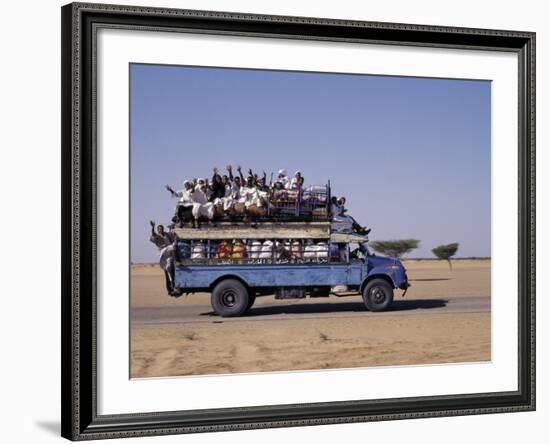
{"x": 420, "y": 304}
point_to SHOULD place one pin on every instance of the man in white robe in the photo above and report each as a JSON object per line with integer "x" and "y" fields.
{"x": 184, "y": 205}
{"x": 283, "y": 178}
{"x": 296, "y": 181}
{"x": 201, "y": 206}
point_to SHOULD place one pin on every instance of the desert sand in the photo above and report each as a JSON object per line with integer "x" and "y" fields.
{"x": 444, "y": 318}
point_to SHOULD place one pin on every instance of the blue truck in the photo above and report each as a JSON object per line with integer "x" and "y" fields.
{"x": 236, "y": 263}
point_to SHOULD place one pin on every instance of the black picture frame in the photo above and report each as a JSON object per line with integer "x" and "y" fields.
{"x": 79, "y": 171}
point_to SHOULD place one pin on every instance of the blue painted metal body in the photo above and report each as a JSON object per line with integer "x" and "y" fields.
{"x": 355, "y": 273}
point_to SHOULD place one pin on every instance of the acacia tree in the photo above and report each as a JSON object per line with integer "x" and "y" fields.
{"x": 446, "y": 252}
{"x": 395, "y": 248}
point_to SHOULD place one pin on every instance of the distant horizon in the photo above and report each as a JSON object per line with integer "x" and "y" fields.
{"x": 411, "y": 155}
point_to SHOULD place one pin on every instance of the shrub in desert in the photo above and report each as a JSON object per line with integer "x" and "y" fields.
{"x": 446, "y": 252}
{"x": 395, "y": 248}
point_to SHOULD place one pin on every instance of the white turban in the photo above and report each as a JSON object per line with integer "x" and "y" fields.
{"x": 282, "y": 173}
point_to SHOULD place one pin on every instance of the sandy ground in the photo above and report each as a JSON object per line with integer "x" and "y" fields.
{"x": 444, "y": 318}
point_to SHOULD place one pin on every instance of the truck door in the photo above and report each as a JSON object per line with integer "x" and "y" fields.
{"x": 356, "y": 266}
{"x": 343, "y": 270}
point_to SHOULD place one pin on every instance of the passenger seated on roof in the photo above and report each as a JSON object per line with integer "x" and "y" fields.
{"x": 225, "y": 201}
{"x": 184, "y": 206}
{"x": 201, "y": 206}
{"x": 236, "y": 184}
{"x": 263, "y": 191}
{"x": 340, "y": 208}
{"x": 254, "y": 176}
{"x": 277, "y": 191}
{"x": 250, "y": 193}
{"x": 239, "y": 170}
{"x": 217, "y": 186}
{"x": 222, "y": 191}
{"x": 283, "y": 178}
{"x": 262, "y": 185}
{"x": 227, "y": 184}
{"x": 296, "y": 182}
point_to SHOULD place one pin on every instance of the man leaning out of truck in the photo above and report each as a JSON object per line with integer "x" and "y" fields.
{"x": 164, "y": 241}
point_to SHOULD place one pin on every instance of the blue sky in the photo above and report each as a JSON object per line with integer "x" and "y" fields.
{"x": 411, "y": 155}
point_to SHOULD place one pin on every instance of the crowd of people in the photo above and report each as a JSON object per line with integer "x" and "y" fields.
{"x": 232, "y": 193}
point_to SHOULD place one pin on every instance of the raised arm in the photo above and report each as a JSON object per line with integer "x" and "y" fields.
{"x": 171, "y": 191}
{"x": 152, "y": 228}
{"x": 241, "y": 174}
{"x": 230, "y": 172}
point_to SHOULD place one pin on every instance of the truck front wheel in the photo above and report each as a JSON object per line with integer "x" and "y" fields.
{"x": 230, "y": 298}
{"x": 378, "y": 295}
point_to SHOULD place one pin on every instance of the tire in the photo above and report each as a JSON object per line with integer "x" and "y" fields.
{"x": 229, "y": 298}
{"x": 378, "y": 295}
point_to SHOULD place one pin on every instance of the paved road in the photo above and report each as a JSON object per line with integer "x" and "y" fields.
{"x": 267, "y": 308}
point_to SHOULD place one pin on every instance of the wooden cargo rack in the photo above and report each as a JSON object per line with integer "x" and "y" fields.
{"x": 264, "y": 230}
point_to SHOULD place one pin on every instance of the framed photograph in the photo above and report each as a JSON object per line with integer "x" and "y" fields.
{"x": 278, "y": 221}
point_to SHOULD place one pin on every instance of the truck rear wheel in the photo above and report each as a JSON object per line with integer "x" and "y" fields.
{"x": 229, "y": 298}
{"x": 378, "y": 295}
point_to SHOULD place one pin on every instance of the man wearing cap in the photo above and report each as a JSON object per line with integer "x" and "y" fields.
{"x": 283, "y": 178}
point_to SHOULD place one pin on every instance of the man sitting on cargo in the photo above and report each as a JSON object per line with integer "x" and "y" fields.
{"x": 263, "y": 190}
{"x": 262, "y": 184}
{"x": 164, "y": 241}
{"x": 227, "y": 200}
{"x": 296, "y": 182}
{"x": 201, "y": 206}
{"x": 228, "y": 185}
{"x": 340, "y": 207}
{"x": 216, "y": 186}
{"x": 184, "y": 206}
{"x": 250, "y": 193}
{"x": 283, "y": 178}
{"x": 236, "y": 182}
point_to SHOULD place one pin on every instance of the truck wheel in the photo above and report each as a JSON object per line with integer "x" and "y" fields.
{"x": 230, "y": 298}
{"x": 378, "y": 295}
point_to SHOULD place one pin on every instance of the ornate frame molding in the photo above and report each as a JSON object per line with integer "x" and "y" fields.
{"x": 79, "y": 396}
